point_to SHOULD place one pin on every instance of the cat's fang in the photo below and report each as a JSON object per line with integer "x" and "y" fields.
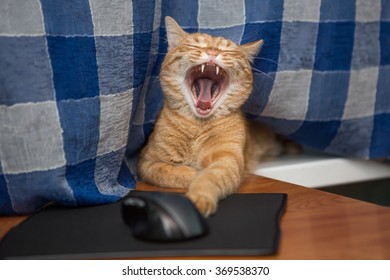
{"x": 217, "y": 69}
{"x": 202, "y": 68}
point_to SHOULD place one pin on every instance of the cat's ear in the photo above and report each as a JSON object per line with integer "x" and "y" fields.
{"x": 252, "y": 49}
{"x": 175, "y": 33}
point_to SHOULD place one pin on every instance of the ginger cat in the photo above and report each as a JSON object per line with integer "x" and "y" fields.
{"x": 201, "y": 140}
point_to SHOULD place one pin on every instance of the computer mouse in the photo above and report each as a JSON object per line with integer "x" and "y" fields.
{"x": 162, "y": 216}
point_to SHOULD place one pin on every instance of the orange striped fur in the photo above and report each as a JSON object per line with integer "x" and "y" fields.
{"x": 205, "y": 147}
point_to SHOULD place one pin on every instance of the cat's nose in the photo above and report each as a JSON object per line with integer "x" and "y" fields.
{"x": 212, "y": 52}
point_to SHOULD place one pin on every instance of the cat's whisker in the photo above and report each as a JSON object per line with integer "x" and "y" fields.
{"x": 163, "y": 39}
{"x": 265, "y": 74}
{"x": 267, "y": 59}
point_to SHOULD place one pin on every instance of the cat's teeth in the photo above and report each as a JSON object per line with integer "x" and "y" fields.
{"x": 202, "y": 68}
{"x": 217, "y": 70}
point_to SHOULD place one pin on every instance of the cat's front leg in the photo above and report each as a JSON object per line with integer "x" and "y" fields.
{"x": 166, "y": 175}
{"x": 222, "y": 175}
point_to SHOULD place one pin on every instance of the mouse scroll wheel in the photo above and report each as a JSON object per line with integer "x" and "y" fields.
{"x": 136, "y": 202}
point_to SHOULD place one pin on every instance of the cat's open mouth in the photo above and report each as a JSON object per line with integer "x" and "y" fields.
{"x": 207, "y": 83}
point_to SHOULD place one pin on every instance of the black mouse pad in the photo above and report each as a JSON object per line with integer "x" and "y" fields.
{"x": 245, "y": 224}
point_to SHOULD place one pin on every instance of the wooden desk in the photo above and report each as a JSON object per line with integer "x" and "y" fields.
{"x": 316, "y": 224}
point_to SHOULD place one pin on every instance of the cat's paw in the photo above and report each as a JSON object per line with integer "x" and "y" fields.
{"x": 205, "y": 204}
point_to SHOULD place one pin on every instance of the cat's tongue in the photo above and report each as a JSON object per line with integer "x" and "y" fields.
{"x": 204, "y": 100}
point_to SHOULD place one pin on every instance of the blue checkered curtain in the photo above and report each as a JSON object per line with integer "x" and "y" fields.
{"x": 79, "y": 88}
